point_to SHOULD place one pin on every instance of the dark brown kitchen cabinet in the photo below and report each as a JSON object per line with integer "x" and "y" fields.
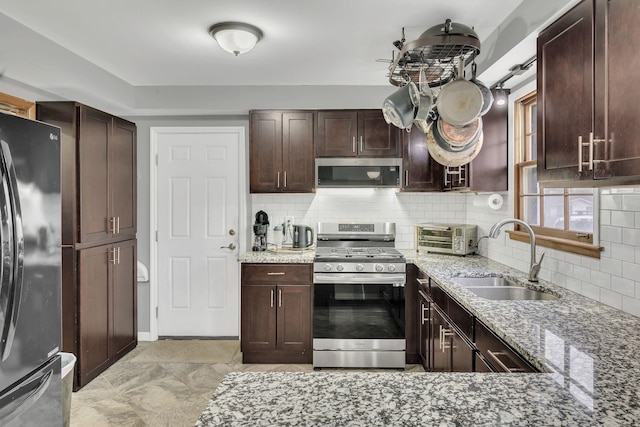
{"x": 98, "y": 159}
{"x": 587, "y": 108}
{"x": 424, "y": 327}
{"x": 106, "y": 307}
{"x": 281, "y": 151}
{"x": 276, "y": 313}
{"x": 497, "y": 354}
{"x": 356, "y": 133}
{"x": 411, "y": 329}
{"x": 99, "y": 199}
{"x": 421, "y": 172}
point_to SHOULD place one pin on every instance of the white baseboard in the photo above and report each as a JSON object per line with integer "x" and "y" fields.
{"x": 144, "y": 336}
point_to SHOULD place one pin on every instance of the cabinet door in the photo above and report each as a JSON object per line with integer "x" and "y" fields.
{"x": 455, "y": 178}
{"x": 298, "y": 152}
{"x": 565, "y": 83}
{"x": 258, "y": 317}
{"x": 440, "y": 342}
{"x": 489, "y": 170}
{"x": 124, "y": 331}
{"x": 93, "y": 308}
{"x": 93, "y": 155}
{"x": 377, "y": 138}
{"x": 423, "y": 330}
{"x": 122, "y": 176}
{"x": 617, "y": 95}
{"x": 337, "y": 132}
{"x": 421, "y": 172}
{"x": 265, "y": 152}
{"x": 461, "y": 354}
{"x": 294, "y": 318}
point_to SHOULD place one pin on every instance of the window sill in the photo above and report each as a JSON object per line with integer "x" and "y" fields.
{"x": 578, "y": 248}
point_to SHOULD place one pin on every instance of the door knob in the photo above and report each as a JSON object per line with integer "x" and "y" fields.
{"x": 232, "y": 232}
{"x": 231, "y": 246}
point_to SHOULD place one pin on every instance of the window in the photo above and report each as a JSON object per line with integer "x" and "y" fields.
{"x": 562, "y": 218}
{"x": 20, "y": 107}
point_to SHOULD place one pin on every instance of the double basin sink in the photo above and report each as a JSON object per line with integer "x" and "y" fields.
{"x": 502, "y": 289}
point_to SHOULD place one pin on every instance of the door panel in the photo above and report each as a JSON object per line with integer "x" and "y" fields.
{"x": 377, "y": 138}
{"x": 122, "y": 175}
{"x": 125, "y": 330}
{"x": 421, "y": 172}
{"x": 265, "y": 152}
{"x": 93, "y": 149}
{"x": 337, "y": 134}
{"x": 258, "y": 318}
{"x": 197, "y": 207}
{"x": 298, "y": 151}
{"x": 294, "y": 318}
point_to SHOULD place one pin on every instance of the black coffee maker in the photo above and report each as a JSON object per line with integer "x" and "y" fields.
{"x": 260, "y": 231}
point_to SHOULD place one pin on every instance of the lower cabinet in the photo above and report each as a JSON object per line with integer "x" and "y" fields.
{"x": 451, "y": 339}
{"x": 276, "y": 313}
{"x": 101, "y": 325}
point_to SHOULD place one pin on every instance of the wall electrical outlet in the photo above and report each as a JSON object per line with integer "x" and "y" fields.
{"x": 288, "y": 219}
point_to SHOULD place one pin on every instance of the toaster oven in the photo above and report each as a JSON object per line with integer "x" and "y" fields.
{"x": 454, "y": 239}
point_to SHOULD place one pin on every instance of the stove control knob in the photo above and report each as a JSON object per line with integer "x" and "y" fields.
{"x": 327, "y": 267}
{"x": 359, "y": 267}
{"x": 340, "y": 267}
{"x": 379, "y": 267}
{"x": 392, "y": 267}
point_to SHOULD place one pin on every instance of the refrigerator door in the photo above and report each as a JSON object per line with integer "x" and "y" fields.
{"x": 30, "y": 290}
{"x": 36, "y": 400}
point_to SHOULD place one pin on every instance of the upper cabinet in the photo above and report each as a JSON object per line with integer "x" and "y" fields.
{"x": 421, "y": 172}
{"x": 587, "y": 108}
{"x": 98, "y": 173}
{"x": 356, "y": 133}
{"x": 281, "y": 151}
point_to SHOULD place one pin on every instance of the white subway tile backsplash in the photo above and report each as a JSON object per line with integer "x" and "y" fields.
{"x": 591, "y": 291}
{"x": 610, "y": 201}
{"x": 631, "y": 237}
{"x": 631, "y": 202}
{"x": 630, "y": 270}
{"x": 582, "y": 273}
{"x": 623, "y": 286}
{"x": 611, "y": 234}
{"x": 613, "y": 299}
{"x": 623, "y": 219}
{"x": 601, "y": 279}
{"x": 631, "y": 305}
{"x": 623, "y": 252}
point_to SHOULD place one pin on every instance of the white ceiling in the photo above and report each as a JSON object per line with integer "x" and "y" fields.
{"x": 164, "y": 43}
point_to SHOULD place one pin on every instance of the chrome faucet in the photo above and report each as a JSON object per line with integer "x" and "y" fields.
{"x": 534, "y": 268}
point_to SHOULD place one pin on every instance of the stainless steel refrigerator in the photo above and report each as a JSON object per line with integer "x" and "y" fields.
{"x": 30, "y": 292}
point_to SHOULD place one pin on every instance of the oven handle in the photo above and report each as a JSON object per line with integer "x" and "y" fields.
{"x": 341, "y": 278}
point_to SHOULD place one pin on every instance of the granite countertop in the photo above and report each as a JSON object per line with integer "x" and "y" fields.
{"x": 588, "y": 353}
{"x": 285, "y": 256}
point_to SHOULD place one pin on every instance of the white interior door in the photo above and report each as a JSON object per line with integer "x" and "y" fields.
{"x": 197, "y": 223}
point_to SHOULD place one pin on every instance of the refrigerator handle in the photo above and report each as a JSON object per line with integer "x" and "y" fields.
{"x": 15, "y": 288}
{"x": 17, "y": 401}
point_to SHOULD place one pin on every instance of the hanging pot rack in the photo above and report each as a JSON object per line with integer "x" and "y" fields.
{"x": 436, "y": 54}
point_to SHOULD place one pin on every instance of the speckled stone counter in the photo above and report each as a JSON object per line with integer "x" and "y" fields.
{"x": 284, "y": 256}
{"x": 588, "y": 351}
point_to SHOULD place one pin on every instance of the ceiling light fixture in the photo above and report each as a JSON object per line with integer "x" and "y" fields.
{"x": 236, "y": 37}
{"x": 501, "y": 96}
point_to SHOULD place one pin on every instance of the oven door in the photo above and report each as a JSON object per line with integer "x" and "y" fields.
{"x": 359, "y": 320}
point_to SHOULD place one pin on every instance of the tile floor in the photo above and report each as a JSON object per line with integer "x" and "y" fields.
{"x": 163, "y": 383}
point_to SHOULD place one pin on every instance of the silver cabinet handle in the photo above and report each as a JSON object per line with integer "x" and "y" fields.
{"x": 285, "y": 179}
{"x": 273, "y": 293}
{"x": 112, "y": 225}
{"x": 580, "y": 153}
{"x": 276, "y": 273}
{"x": 494, "y": 356}
{"x": 111, "y": 257}
{"x": 118, "y": 225}
{"x": 406, "y": 178}
{"x": 590, "y": 151}
{"x": 424, "y": 319}
{"x": 279, "y": 297}
{"x": 353, "y": 144}
{"x": 278, "y": 184}
{"x": 231, "y": 246}
{"x": 118, "y": 257}
{"x": 444, "y": 334}
{"x": 361, "y": 144}
{"x": 423, "y": 281}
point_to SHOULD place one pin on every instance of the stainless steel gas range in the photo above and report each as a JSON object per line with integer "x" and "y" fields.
{"x": 358, "y": 308}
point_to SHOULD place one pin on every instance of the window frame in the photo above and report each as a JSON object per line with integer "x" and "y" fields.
{"x": 564, "y": 240}
{"x": 18, "y": 106}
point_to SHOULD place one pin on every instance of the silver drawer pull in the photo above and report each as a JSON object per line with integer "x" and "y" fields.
{"x": 423, "y": 281}
{"x": 277, "y": 273}
{"x": 499, "y": 362}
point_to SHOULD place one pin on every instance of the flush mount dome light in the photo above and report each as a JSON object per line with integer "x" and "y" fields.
{"x": 236, "y": 37}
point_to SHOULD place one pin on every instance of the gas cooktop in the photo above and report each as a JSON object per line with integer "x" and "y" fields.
{"x": 358, "y": 253}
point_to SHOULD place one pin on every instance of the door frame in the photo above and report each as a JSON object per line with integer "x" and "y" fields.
{"x": 155, "y": 131}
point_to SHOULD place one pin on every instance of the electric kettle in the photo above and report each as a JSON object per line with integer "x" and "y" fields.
{"x": 302, "y": 236}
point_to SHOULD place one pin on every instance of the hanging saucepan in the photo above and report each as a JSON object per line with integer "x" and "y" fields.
{"x": 425, "y": 115}
{"x": 487, "y": 96}
{"x": 459, "y": 101}
{"x": 398, "y": 108}
{"x": 457, "y": 138}
{"x": 449, "y": 158}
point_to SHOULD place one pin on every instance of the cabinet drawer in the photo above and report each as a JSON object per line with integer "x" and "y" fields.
{"x": 460, "y": 317}
{"x": 277, "y": 273}
{"x": 498, "y": 354}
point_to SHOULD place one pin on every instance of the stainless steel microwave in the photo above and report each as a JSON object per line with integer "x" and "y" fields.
{"x": 358, "y": 172}
{"x": 455, "y": 239}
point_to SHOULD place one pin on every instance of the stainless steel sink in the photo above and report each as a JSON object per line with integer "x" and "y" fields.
{"x": 511, "y": 293}
{"x": 485, "y": 281}
{"x": 502, "y": 289}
